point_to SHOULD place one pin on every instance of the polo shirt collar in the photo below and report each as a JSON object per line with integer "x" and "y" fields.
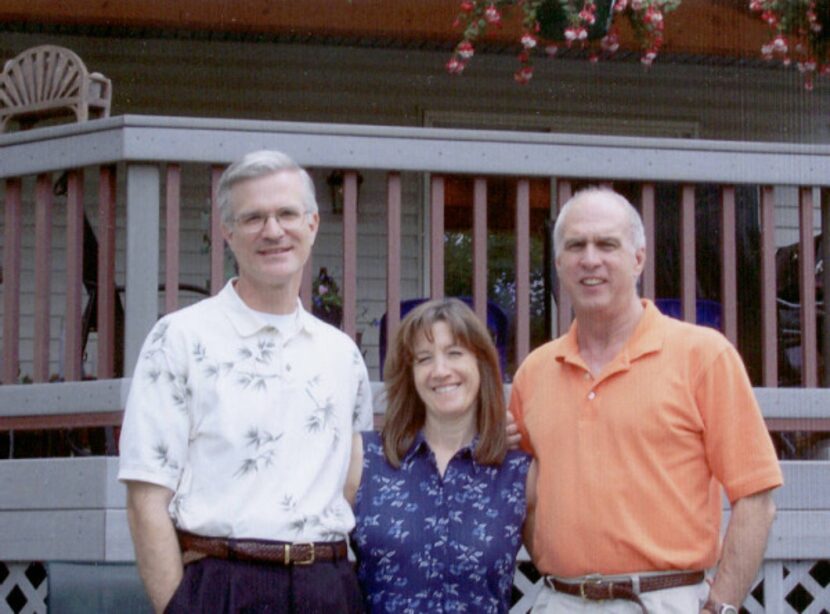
{"x": 247, "y": 322}
{"x": 647, "y": 338}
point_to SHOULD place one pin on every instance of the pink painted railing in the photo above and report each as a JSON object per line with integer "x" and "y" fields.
{"x": 32, "y": 161}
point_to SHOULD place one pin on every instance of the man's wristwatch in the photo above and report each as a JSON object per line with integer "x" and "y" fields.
{"x": 715, "y": 607}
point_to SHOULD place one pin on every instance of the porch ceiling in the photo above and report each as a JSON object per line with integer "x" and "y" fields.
{"x": 698, "y": 29}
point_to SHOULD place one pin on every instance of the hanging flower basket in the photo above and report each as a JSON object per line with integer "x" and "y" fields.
{"x": 800, "y": 34}
{"x": 587, "y": 24}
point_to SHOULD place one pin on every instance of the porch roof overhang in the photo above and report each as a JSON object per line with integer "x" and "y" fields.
{"x": 697, "y": 30}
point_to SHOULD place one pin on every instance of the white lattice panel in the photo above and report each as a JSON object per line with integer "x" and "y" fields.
{"x": 17, "y": 593}
{"x": 800, "y": 574}
{"x": 793, "y": 580}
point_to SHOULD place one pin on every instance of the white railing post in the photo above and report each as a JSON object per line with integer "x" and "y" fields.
{"x": 773, "y": 587}
{"x": 143, "y": 203}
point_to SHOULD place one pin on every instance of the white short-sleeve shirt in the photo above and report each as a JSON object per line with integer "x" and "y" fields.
{"x": 250, "y": 426}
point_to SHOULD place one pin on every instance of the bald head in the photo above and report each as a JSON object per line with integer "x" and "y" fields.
{"x": 637, "y": 233}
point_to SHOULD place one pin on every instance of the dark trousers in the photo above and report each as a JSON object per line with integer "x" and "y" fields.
{"x": 218, "y": 585}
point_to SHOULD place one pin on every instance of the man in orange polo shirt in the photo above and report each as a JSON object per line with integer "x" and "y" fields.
{"x": 637, "y": 421}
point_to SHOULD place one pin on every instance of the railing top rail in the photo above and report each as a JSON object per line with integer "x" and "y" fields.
{"x": 155, "y": 139}
{"x": 108, "y": 395}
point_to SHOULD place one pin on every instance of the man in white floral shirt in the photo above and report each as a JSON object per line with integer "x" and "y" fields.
{"x": 237, "y": 432}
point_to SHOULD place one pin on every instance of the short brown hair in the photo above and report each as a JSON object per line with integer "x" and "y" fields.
{"x": 405, "y": 411}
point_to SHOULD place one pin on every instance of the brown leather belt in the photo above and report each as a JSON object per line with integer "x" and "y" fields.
{"x": 598, "y": 589}
{"x": 281, "y": 553}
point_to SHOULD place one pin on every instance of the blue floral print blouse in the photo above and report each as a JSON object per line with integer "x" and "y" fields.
{"x": 430, "y": 544}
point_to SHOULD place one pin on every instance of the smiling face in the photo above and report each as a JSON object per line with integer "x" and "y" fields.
{"x": 446, "y": 375}
{"x": 270, "y": 257}
{"x": 597, "y": 263}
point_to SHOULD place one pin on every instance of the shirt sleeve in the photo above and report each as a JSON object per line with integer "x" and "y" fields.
{"x": 154, "y": 435}
{"x": 362, "y": 415}
{"x": 516, "y": 408}
{"x": 738, "y": 445}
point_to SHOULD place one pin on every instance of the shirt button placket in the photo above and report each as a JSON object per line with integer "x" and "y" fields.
{"x": 441, "y": 548}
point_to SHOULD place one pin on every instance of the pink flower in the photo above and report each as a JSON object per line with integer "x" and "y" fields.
{"x": 808, "y": 66}
{"x": 653, "y": 16}
{"x": 455, "y": 66}
{"x": 770, "y": 17}
{"x": 467, "y": 6}
{"x": 528, "y": 41}
{"x": 587, "y": 16}
{"x": 620, "y": 5}
{"x": 465, "y": 49}
{"x": 492, "y": 15}
{"x": 523, "y": 75}
{"x": 551, "y": 50}
{"x": 779, "y": 44}
{"x": 610, "y": 42}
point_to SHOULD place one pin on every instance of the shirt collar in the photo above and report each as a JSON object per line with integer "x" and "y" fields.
{"x": 647, "y": 338}
{"x": 247, "y": 322}
{"x": 420, "y": 447}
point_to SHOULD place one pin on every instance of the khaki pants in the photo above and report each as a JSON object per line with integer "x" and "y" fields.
{"x": 680, "y": 600}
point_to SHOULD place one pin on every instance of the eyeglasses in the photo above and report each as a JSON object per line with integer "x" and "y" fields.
{"x": 254, "y": 222}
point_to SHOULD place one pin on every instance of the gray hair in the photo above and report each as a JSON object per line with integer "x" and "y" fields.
{"x": 635, "y": 222}
{"x": 259, "y": 164}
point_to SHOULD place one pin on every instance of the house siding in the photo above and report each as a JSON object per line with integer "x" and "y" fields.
{"x": 341, "y": 84}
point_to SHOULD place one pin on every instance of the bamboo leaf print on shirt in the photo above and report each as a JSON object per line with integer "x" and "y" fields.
{"x": 263, "y": 444}
{"x": 163, "y": 456}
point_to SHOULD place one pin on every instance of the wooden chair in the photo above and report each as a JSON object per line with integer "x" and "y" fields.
{"x": 48, "y": 81}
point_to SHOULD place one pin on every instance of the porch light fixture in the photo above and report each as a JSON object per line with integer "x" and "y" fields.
{"x": 336, "y": 182}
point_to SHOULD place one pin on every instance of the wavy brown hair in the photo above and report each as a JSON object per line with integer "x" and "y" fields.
{"x": 405, "y": 411}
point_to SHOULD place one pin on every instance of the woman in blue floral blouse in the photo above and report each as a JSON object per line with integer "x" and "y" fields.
{"x": 441, "y": 504}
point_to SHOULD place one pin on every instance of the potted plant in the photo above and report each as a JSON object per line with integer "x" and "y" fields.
{"x": 576, "y": 22}
{"x": 326, "y": 302}
{"x": 800, "y": 34}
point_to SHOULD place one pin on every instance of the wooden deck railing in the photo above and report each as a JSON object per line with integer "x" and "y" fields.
{"x": 130, "y": 169}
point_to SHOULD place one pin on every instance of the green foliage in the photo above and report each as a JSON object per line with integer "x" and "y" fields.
{"x": 501, "y": 278}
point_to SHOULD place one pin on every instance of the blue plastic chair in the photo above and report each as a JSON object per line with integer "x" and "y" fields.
{"x": 708, "y": 313}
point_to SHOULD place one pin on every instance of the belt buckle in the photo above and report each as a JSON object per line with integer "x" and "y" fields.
{"x": 595, "y": 579}
{"x": 308, "y": 561}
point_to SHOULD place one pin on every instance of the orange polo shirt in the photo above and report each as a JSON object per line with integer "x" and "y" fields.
{"x": 631, "y": 463}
